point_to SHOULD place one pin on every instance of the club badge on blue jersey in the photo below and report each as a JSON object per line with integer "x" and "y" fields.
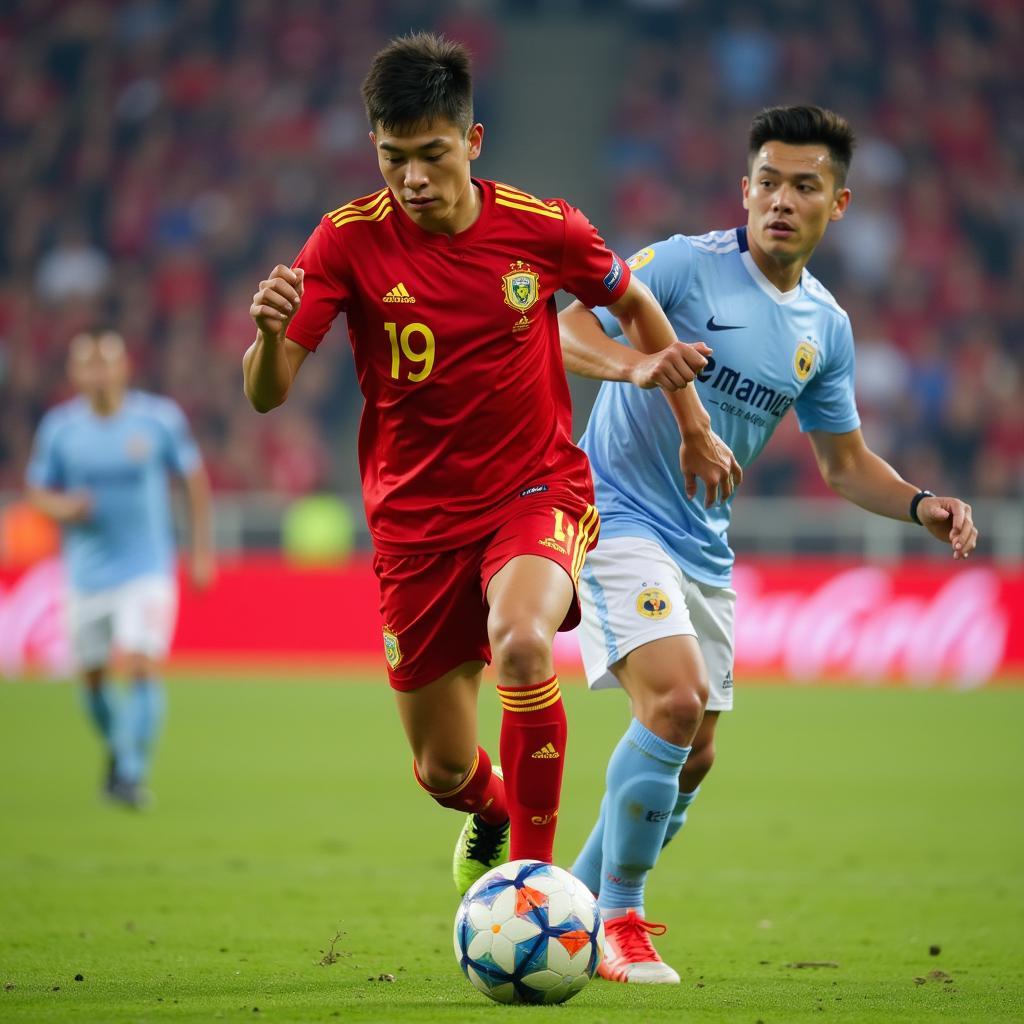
{"x": 521, "y": 286}
{"x": 640, "y": 259}
{"x": 137, "y": 447}
{"x": 804, "y": 359}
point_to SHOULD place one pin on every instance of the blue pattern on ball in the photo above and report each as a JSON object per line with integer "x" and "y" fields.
{"x": 530, "y": 955}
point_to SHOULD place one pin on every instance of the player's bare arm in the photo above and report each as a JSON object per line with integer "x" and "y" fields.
{"x": 588, "y": 352}
{"x": 201, "y": 562}
{"x": 856, "y": 473}
{"x": 272, "y": 361}
{"x": 645, "y": 325}
{"x": 61, "y": 506}
{"x": 703, "y": 455}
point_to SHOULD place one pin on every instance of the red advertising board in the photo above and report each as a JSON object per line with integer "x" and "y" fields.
{"x": 919, "y": 624}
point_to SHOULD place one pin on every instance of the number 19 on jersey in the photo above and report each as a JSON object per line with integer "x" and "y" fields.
{"x": 414, "y": 345}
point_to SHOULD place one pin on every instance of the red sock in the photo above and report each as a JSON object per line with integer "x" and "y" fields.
{"x": 533, "y": 732}
{"x": 481, "y": 792}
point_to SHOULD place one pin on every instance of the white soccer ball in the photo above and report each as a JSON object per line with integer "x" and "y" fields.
{"x": 528, "y": 932}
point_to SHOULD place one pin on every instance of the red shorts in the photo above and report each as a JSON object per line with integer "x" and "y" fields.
{"x": 434, "y": 607}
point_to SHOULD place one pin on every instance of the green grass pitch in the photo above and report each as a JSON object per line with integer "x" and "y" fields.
{"x": 851, "y": 828}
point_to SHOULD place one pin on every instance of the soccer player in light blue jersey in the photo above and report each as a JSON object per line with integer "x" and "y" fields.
{"x": 100, "y": 467}
{"x": 658, "y": 610}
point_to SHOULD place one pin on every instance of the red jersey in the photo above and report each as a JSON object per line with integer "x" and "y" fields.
{"x": 456, "y": 348}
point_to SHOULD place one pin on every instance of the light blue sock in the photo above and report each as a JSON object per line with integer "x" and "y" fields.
{"x": 101, "y": 707}
{"x": 643, "y": 786}
{"x": 588, "y": 862}
{"x": 144, "y": 714}
{"x": 678, "y": 817}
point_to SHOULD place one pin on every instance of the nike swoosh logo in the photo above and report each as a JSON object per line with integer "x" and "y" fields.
{"x": 712, "y": 326}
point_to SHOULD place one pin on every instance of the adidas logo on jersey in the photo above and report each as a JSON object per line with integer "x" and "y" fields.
{"x": 547, "y": 751}
{"x": 398, "y": 294}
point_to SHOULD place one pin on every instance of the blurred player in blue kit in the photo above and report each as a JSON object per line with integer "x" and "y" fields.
{"x": 657, "y": 606}
{"x": 100, "y": 467}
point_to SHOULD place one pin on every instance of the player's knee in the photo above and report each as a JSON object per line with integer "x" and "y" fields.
{"x": 440, "y": 773}
{"x": 521, "y": 650}
{"x": 674, "y": 713}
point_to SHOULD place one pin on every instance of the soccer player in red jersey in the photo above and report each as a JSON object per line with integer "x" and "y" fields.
{"x": 479, "y": 504}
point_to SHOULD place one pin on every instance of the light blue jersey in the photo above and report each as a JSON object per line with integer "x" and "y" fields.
{"x": 772, "y": 350}
{"x": 122, "y": 461}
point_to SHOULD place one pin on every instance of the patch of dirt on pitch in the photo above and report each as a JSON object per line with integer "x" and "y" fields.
{"x": 942, "y": 976}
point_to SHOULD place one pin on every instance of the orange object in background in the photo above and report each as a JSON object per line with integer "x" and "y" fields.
{"x": 26, "y": 535}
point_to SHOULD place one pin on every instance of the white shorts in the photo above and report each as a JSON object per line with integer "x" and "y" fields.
{"x": 632, "y": 592}
{"x": 136, "y": 617}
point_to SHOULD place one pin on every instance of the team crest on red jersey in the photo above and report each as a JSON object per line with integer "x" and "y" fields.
{"x": 392, "y": 649}
{"x": 521, "y": 286}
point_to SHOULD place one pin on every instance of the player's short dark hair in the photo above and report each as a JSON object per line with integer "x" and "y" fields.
{"x": 800, "y": 126}
{"x": 417, "y": 79}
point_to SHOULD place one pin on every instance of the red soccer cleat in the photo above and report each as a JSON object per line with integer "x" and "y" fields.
{"x": 629, "y": 954}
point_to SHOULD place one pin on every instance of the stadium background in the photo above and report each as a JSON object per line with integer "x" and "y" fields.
{"x": 160, "y": 157}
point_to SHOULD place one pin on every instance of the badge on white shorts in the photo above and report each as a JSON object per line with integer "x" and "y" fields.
{"x": 653, "y": 603}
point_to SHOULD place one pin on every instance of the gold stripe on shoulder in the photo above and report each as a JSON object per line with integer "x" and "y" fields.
{"x": 540, "y": 211}
{"x": 513, "y": 191}
{"x": 352, "y": 218}
{"x": 505, "y": 187}
{"x": 507, "y": 192}
{"x": 356, "y": 217}
{"x": 360, "y": 206}
{"x": 367, "y": 210}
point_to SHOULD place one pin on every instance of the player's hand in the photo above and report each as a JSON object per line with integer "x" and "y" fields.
{"x": 703, "y": 455}
{"x": 672, "y": 368}
{"x": 201, "y": 569}
{"x": 75, "y": 507}
{"x": 277, "y": 301}
{"x": 949, "y": 519}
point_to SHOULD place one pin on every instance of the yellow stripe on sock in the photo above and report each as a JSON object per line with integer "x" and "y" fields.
{"x": 513, "y": 698}
{"x": 520, "y": 695}
{"x": 539, "y": 700}
{"x": 537, "y": 707}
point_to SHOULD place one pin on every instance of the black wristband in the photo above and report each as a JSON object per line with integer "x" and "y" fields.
{"x": 915, "y": 501}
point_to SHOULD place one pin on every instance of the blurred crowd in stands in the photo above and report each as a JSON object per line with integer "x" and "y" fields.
{"x": 928, "y": 262}
{"x": 160, "y": 157}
